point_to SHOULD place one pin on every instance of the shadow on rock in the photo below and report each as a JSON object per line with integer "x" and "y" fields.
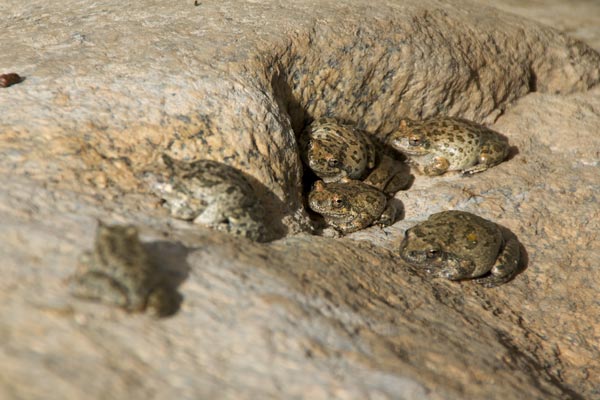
{"x": 399, "y": 206}
{"x": 170, "y": 260}
{"x": 274, "y": 210}
{"x": 513, "y": 151}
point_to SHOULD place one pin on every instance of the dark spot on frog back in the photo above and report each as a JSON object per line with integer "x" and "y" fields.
{"x": 372, "y": 198}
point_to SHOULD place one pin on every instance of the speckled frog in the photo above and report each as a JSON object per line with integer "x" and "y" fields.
{"x": 210, "y": 193}
{"x": 351, "y": 205}
{"x": 460, "y": 245}
{"x": 118, "y": 271}
{"x": 333, "y": 151}
{"x": 437, "y": 145}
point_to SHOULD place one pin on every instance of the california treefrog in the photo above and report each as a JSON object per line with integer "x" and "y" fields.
{"x": 333, "y": 151}
{"x": 351, "y": 205}
{"x": 118, "y": 271}
{"x": 441, "y": 144}
{"x": 460, "y": 245}
{"x": 211, "y": 193}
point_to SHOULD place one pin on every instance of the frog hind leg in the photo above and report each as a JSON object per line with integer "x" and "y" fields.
{"x": 356, "y": 224}
{"x": 457, "y": 269}
{"x": 163, "y": 301}
{"x": 100, "y": 287}
{"x": 506, "y": 266}
{"x": 475, "y": 169}
{"x": 490, "y": 155}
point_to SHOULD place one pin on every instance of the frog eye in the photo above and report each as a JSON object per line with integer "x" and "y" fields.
{"x": 432, "y": 253}
{"x": 414, "y": 141}
{"x": 337, "y": 202}
{"x": 332, "y": 162}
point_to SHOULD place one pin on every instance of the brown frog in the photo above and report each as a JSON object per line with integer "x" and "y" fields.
{"x": 333, "y": 151}
{"x": 437, "y": 145}
{"x": 212, "y": 194}
{"x": 351, "y": 205}
{"x": 118, "y": 271}
{"x": 460, "y": 245}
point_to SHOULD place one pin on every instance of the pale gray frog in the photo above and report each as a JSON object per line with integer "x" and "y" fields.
{"x": 460, "y": 245}
{"x": 437, "y": 145}
{"x": 351, "y": 205}
{"x": 211, "y": 193}
{"x": 118, "y": 271}
{"x": 333, "y": 150}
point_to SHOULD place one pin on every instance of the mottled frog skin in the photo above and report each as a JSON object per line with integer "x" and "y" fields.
{"x": 334, "y": 151}
{"x": 460, "y": 245}
{"x": 437, "y": 145}
{"x": 118, "y": 271}
{"x": 351, "y": 205}
{"x": 213, "y": 194}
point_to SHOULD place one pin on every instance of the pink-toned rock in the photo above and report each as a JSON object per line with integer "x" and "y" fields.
{"x": 110, "y": 87}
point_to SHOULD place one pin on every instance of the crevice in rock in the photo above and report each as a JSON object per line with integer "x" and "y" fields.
{"x": 420, "y": 69}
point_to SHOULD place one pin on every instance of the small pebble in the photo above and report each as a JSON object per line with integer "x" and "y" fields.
{"x": 10, "y": 79}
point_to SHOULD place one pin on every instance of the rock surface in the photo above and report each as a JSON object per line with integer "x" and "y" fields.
{"x": 108, "y": 89}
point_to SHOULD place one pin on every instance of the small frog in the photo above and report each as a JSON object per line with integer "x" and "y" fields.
{"x": 118, "y": 271}
{"x": 460, "y": 245}
{"x": 211, "y": 193}
{"x": 351, "y": 205}
{"x": 333, "y": 151}
{"x": 441, "y": 144}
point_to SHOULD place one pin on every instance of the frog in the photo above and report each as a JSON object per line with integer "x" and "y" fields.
{"x": 459, "y": 245}
{"x": 118, "y": 271}
{"x": 334, "y": 150}
{"x": 350, "y": 205}
{"x": 210, "y": 193}
{"x": 437, "y": 145}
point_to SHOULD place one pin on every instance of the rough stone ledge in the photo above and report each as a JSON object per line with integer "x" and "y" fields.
{"x": 104, "y": 102}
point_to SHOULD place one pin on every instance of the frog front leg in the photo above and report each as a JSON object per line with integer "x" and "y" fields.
{"x": 358, "y": 223}
{"x": 456, "y": 269}
{"x": 507, "y": 264}
{"x": 485, "y": 160}
{"x": 95, "y": 285}
{"x": 371, "y": 152}
{"x": 436, "y": 166}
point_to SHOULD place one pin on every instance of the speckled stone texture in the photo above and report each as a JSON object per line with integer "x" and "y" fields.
{"x": 111, "y": 86}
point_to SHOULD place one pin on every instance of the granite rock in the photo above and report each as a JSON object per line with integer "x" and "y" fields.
{"x": 110, "y": 86}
